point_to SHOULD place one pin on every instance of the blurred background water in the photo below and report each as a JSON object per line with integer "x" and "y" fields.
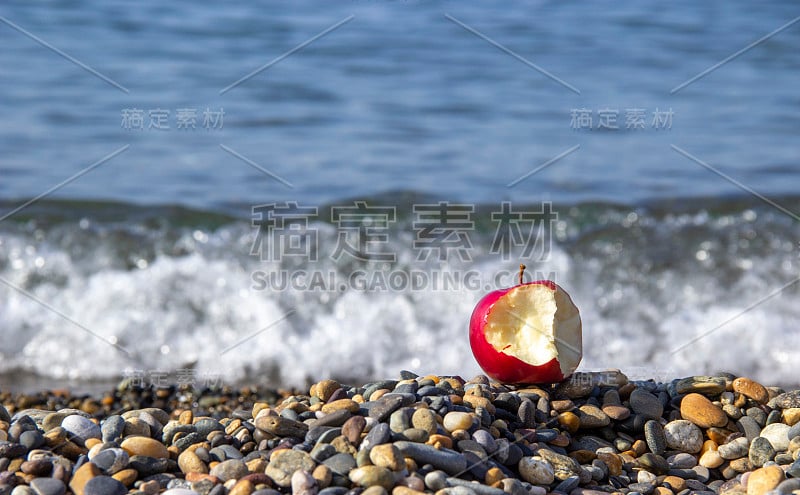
{"x": 400, "y": 102}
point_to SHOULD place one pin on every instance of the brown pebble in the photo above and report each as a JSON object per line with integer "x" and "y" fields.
{"x": 404, "y": 490}
{"x": 569, "y": 421}
{"x": 126, "y": 476}
{"x": 751, "y": 389}
{"x": 323, "y": 475}
{"x": 791, "y": 416}
{"x": 242, "y": 487}
{"x": 194, "y": 477}
{"x": 352, "y": 429}
{"x": 441, "y": 440}
{"x": 718, "y": 435}
{"x": 144, "y": 446}
{"x": 82, "y": 476}
{"x": 257, "y": 465}
{"x": 702, "y": 412}
{"x": 324, "y": 389}
{"x": 676, "y": 483}
{"x": 189, "y": 462}
{"x": 150, "y": 487}
{"x": 764, "y": 479}
{"x": 560, "y": 440}
{"x": 476, "y": 402}
{"x": 493, "y": 475}
{"x": 583, "y": 456}
{"x": 91, "y": 442}
{"x": 38, "y": 467}
{"x": 388, "y": 456}
{"x": 741, "y": 465}
{"x": 562, "y": 405}
{"x": 185, "y": 417}
{"x": 617, "y": 413}
{"x": 612, "y": 461}
{"x": 346, "y": 404}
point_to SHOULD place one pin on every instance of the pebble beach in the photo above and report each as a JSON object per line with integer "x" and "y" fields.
{"x": 597, "y": 433}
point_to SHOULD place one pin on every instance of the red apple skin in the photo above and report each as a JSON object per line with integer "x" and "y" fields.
{"x": 501, "y": 366}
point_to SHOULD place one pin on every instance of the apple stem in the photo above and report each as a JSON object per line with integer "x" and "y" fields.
{"x": 521, "y": 272}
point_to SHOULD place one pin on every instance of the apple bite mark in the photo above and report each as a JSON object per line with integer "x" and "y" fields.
{"x": 521, "y": 324}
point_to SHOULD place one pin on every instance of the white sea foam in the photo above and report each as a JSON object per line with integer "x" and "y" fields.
{"x": 196, "y": 307}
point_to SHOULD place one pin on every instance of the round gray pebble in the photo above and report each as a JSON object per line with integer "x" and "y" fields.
{"x": 104, "y": 485}
{"x": 81, "y": 428}
{"x": 48, "y": 486}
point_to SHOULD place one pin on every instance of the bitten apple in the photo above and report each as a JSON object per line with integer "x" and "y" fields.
{"x": 529, "y": 333}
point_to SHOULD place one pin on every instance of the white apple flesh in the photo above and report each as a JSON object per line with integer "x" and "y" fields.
{"x": 529, "y": 333}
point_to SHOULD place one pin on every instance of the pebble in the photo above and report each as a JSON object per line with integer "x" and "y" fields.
{"x": 82, "y": 476}
{"x": 433, "y": 434}
{"x": 302, "y": 484}
{"x": 751, "y": 389}
{"x": 388, "y": 456}
{"x": 368, "y": 476}
{"x": 778, "y": 436}
{"x": 448, "y": 461}
{"x": 232, "y": 469}
{"x": 654, "y": 463}
{"x": 80, "y": 428}
{"x": 104, "y": 485}
{"x": 48, "y": 486}
{"x": 592, "y": 417}
{"x": 749, "y": 427}
{"x": 538, "y": 472}
{"x": 786, "y": 400}
{"x": 425, "y": 419}
{"x": 281, "y": 426}
{"x": 457, "y": 421}
{"x": 189, "y": 462}
{"x": 284, "y": 463}
{"x": 563, "y": 466}
{"x": 682, "y": 461}
{"x": 764, "y": 479}
{"x": 706, "y": 385}
{"x": 761, "y": 451}
{"x": 384, "y": 407}
{"x": 144, "y": 446}
{"x": 111, "y": 460}
{"x": 736, "y": 448}
{"x": 684, "y": 436}
{"x": 341, "y": 463}
{"x": 794, "y": 469}
{"x": 702, "y": 412}
{"x": 646, "y": 404}
{"x": 353, "y": 428}
{"x": 791, "y": 416}
{"x": 654, "y": 435}
{"x": 788, "y": 486}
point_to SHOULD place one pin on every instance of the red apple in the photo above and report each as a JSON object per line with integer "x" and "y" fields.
{"x": 529, "y": 333}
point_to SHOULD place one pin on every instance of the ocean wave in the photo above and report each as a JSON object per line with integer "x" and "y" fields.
{"x": 664, "y": 290}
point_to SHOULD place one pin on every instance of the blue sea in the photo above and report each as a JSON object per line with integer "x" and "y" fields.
{"x": 644, "y": 155}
